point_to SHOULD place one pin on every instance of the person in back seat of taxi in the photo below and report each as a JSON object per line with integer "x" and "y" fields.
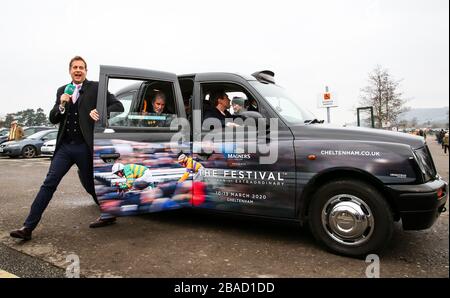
{"x": 221, "y": 103}
{"x": 238, "y": 104}
{"x": 155, "y": 108}
{"x": 157, "y": 104}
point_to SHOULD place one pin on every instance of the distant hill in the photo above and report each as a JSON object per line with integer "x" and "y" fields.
{"x": 424, "y": 115}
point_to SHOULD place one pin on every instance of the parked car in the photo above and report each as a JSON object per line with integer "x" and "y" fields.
{"x": 4, "y": 133}
{"x": 30, "y": 146}
{"x": 29, "y": 130}
{"x": 349, "y": 185}
{"x": 48, "y": 149}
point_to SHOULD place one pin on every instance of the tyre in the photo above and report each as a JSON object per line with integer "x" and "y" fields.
{"x": 350, "y": 217}
{"x": 29, "y": 151}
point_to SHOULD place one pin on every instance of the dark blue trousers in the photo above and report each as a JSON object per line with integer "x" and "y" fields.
{"x": 65, "y": 157}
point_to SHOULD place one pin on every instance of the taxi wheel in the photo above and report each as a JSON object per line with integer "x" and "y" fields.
{"x": 29, "y": 152}
{"x": 350, "y": 217}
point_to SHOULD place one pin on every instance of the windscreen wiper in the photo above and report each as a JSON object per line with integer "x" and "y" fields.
{"x": 313, "y": 121}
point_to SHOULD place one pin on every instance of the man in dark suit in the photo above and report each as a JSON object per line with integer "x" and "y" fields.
{"x": 219, "y": 110}
{"x": 76, "y": 115}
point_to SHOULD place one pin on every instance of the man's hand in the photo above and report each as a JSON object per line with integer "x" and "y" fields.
{"x": 65, "y": 98}
{"x": 232, "y": 124}
{"x": 94, "y": 115}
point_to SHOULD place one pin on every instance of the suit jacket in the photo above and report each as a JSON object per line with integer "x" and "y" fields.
{"x": 87, "y": 101}
{"x": 215, "y": 113}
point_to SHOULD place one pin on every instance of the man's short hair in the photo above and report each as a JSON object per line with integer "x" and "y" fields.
{"x": 215, "y": 95}
{"x": 77, "y": 58}
{"x": 159, "y": 94}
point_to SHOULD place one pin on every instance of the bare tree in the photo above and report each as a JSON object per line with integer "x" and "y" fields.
{"x": 382, "y": 93}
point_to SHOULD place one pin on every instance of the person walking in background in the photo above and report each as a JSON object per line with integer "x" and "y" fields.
{"x": 445, "y": 142}
{"x": 76, "y": 115}
{"x": 421, "y": 133}
{"x": 441, "y": 138}
{"x": 15, "y": 132}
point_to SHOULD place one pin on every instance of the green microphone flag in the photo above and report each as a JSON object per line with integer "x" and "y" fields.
{"x": 70, "y": 88}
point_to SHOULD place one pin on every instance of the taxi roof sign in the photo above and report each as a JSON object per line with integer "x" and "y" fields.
{"x": 265, "y": 76}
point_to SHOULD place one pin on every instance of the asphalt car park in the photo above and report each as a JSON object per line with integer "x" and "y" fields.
{"x": 184, "y": 243}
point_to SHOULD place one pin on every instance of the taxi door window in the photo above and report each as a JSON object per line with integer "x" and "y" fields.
{"x": 147, "y": 103}
{"x": 241, "y": 99}
{"x": 126, "y": 100}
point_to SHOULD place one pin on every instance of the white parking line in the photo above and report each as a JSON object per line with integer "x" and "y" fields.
{"x": 5, "y": 274}
{"x": 26, "y": 165}
{"x": 23, "y": 160}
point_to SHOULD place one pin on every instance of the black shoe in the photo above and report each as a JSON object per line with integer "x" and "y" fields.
{"x": 102, "y": 222}
{"x": 23, "y": 233}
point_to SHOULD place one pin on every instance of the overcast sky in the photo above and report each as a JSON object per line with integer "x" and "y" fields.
{"x": 308, "y": 44}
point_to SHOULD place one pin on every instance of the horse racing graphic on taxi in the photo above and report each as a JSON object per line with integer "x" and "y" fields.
{"x": 147, "y": 178}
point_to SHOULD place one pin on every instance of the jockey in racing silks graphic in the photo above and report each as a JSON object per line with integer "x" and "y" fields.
{"x": 192, "y": 167}
{"x": 134, "y": 173}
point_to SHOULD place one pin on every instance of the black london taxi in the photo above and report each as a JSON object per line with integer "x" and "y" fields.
{"x": 348, "y": 184}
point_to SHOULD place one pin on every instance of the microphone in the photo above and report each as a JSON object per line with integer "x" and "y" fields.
{"x": 70, "y": 88}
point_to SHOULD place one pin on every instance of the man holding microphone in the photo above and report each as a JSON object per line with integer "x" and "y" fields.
{"x": 75, "y": 112}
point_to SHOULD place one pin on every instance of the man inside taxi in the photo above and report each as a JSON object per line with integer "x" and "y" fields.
{"x": 155, "y": 108}
{"x": 221, "y": 103}
{"x": 158, "y": 103}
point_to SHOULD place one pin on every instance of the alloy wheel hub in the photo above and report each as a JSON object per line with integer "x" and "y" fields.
{"x": 347, "y": 219}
